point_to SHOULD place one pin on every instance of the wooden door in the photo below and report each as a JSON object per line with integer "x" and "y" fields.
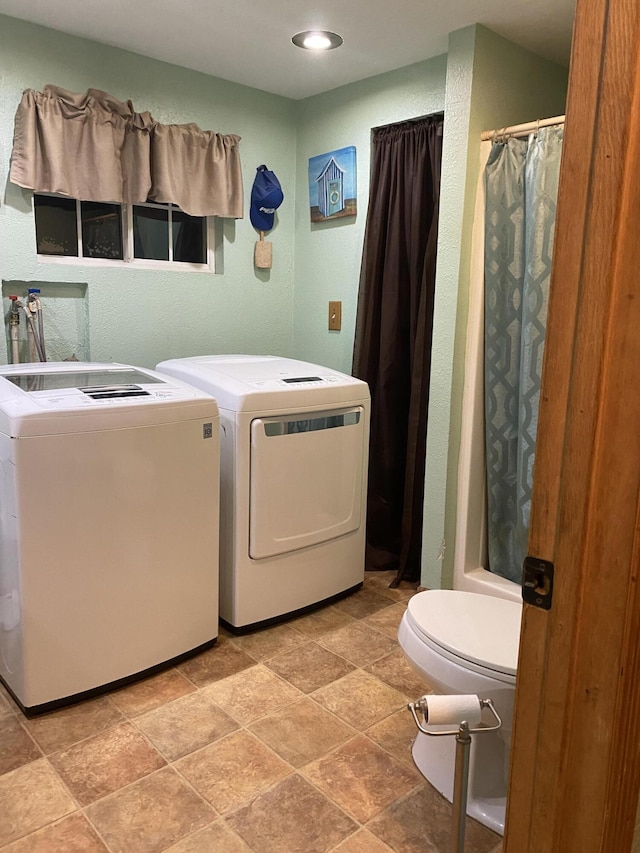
{"x": 575, "y": 771}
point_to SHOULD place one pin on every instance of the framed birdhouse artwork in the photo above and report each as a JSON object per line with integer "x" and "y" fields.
{"x": 332, "y": 184}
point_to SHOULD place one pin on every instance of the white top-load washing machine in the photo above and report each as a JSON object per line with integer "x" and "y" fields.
{"x": 294, "y": 454}
{"x": 109, "y": 519}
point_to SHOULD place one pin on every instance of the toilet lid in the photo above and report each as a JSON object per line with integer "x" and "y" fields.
{"x": 473, "y": 627}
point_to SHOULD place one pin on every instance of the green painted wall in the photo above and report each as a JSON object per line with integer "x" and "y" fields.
{"x": 328, "y": 254}
{"x": 482, "y": 83}
{"x": 491, "y": 83}
{"x": 136, "y": 315}
{"x": 142, "y": 316}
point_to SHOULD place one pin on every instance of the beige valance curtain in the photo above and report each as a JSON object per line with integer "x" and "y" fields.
{"x": 198, "y": 170}
{"x": 93, "y": 147}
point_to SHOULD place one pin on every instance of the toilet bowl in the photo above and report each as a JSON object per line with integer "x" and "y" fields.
{"x": 464, "y": 642}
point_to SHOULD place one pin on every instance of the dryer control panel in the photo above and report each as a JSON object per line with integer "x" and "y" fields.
{"x": 294, "y": 382}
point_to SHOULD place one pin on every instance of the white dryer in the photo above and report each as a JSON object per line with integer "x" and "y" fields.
{"x": 294, "y": 454}
{"x": 109, "y": 514}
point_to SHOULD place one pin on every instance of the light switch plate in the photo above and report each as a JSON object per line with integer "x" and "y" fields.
{"x": 335, "y": 316}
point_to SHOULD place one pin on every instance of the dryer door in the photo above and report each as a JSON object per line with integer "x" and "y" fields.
{"x": 306, "y": 479}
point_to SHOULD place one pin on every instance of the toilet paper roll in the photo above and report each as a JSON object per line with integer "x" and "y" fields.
{"x": 452, "y": 709}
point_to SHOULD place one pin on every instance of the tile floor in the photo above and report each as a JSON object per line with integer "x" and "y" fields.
{"x": 291, "y": 739}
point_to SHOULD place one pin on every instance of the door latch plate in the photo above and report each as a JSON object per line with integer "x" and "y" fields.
{"x": 537, "y": 582}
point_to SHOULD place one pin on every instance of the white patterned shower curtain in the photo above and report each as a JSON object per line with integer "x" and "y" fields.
{"x": 521, "y": 187}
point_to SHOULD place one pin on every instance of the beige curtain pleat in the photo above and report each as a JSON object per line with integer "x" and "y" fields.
{"x": 198, "y": 170}
{"x": 91, "y": 146}
{"x": 94, "y": 147}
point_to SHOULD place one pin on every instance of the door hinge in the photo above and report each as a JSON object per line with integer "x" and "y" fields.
{"x": 537, "y": 582}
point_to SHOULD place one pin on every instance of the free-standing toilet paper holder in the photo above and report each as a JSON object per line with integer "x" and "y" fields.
{"x": 463, "y": 746}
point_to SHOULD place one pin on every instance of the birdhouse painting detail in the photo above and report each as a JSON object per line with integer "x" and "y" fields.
{"x": 332, "y": 184}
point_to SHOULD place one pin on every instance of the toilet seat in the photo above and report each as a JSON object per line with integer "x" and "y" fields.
{"x": 478, "y": 632}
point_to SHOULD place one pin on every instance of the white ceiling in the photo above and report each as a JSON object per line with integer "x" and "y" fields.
{"x": 249, "y": 42}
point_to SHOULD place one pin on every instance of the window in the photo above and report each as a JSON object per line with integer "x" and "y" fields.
{"x": 151, "y": 236}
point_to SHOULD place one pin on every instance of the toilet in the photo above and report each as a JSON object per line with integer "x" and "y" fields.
{"x": 465, "y": 642}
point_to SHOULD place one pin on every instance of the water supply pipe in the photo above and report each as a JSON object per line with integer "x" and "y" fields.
{"x": 14, "y": 329}
{"x": 36, "y": 326}
{"x": 32, "y": 334}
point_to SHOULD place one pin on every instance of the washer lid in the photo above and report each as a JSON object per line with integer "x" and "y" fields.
{"x": 474, "y": 627}
{"x": 58, "y": 398}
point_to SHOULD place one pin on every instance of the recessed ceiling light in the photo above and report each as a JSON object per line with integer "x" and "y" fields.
{"x": 317, "y": 40}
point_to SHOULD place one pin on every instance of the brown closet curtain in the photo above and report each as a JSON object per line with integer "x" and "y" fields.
{"x": 94, "y": 147}
{"x": 392, "y": 350}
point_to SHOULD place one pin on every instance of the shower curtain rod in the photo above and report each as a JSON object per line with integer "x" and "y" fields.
{"x": 521, "y": 129}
